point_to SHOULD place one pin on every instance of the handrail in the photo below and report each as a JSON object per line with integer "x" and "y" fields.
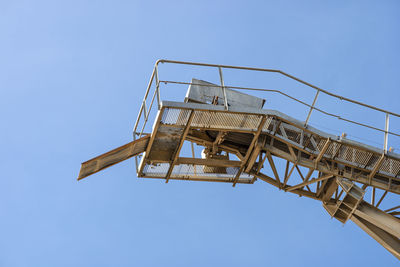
{"x": 280, "y": 72}
{"x": 286, "y": 95}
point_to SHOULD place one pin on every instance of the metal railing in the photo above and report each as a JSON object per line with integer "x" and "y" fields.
{"x": 155, "y": 76}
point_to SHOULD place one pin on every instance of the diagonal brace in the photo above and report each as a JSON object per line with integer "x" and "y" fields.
{"x": 178, "y": 149}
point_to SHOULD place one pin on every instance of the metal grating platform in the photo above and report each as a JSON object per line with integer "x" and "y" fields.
{"x": 294, "y": 142}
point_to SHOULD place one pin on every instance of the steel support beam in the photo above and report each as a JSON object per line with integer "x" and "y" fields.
{"x": 379, "y": 218}
{"x": 208, "y": 162}
{"x": 314, "y": 180}
{"x": 250, "y": 149}
{"x": 178, "y": 149}
{"x": 381, "y": 226}
{"x": 376, "y": 168}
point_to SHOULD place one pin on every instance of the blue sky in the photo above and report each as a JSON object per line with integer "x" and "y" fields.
{"x": 72, "y": 77}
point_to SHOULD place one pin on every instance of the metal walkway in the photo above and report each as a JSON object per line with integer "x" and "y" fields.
{"x": 242, "y": 143}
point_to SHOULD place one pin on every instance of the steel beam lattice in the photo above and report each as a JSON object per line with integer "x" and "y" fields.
{"x": 242, "y": 143}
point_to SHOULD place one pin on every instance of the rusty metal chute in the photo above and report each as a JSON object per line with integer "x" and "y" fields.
{"x": 113, "y": 157}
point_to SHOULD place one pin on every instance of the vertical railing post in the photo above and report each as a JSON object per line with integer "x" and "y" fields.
{"x": 311, "y": 108}
{"x": 157, "y": 88}
{"x": 142, "y": 107}
{"x": 223, "y": 88}
{"x": 385, "y": 143}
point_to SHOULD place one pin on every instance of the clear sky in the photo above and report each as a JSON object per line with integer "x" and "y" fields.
{"x": 72, "y": 77}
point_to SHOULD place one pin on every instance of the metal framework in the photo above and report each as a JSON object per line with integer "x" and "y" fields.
{"x": 243, "y": 144}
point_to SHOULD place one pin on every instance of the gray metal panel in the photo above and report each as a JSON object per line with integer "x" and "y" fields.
{"x": 204, "y": 92}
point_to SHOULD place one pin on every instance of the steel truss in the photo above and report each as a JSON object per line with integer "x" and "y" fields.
{"x": 243, "y": 145}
